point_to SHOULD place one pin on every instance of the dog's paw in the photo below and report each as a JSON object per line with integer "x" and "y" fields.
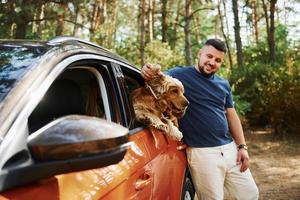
{"x": 175, "y": 133}
{"x": 162, "y": 127}
{"x": 145, "y": 119}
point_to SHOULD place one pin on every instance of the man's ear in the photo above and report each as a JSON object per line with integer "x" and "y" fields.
{"x": 199, "y": 52}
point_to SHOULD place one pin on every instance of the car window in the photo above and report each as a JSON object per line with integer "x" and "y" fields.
{"x": 78, "y": 90}
{"x": 133, "y": 80}
{"x": 15, "y": 62}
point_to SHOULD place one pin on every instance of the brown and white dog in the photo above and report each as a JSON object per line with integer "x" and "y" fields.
{"x": 160, "y": 103}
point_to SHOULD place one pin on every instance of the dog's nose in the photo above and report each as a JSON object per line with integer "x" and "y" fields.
{"x": 186, "y": 103}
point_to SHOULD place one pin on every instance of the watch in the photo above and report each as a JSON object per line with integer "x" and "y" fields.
{"x": 242, "y": 146}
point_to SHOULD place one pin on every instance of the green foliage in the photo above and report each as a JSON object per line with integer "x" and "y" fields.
{"x": 129, "y": 50}
{"x": 265, "y": 93}
{"x": 282, "y": 97}
{"x": 241, "y": 106}
{"x": 161, "y": 53}
{"x": 273, "y": 90}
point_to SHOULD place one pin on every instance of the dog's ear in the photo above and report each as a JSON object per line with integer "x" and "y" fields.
{"x": 157, "y": 80}
{"x": 163, "y": 104}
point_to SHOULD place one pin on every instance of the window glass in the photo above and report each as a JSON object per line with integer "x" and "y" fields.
{"x": 132, "y": 81}
{"x": 76, "y": 91}
{"x": 15, "y": 61}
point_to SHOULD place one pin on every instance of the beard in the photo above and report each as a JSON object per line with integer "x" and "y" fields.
{"x": 205, "y": 74}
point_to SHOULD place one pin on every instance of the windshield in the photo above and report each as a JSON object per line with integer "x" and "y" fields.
{"x": 15, "y": 61}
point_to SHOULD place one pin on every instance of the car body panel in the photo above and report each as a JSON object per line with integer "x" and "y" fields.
{"x": 46, "y": 189}
{"x": 119, "y": 181}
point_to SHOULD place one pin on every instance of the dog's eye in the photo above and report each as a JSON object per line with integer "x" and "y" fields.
{"x": 175, "y": 91}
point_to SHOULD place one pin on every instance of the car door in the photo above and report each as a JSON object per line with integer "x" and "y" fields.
{"x": 80, "y": 87}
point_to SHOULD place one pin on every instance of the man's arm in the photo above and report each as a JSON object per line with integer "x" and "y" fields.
{"x": 236, "y": 130}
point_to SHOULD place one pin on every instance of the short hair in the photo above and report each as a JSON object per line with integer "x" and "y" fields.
{"x": 218, "y": 44}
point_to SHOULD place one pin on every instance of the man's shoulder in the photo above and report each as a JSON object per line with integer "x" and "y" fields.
{"x": 222, "y": 81}
{"x": 179, "y": 69}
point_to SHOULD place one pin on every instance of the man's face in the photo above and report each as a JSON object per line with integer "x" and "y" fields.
{"x": 210, "y": 60}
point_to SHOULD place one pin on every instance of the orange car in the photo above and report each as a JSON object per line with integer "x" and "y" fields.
{"x": 68, "y": 130}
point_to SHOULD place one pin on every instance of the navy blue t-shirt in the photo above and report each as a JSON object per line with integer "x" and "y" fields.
{"x": 205, "y": 123}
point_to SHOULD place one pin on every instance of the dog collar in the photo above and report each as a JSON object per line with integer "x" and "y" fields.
{"x": 151, "y": 90}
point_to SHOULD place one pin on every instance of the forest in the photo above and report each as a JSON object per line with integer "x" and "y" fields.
{"x": 262, "y": 38}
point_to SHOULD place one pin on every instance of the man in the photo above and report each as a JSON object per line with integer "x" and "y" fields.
{"x": 217, "y": 152}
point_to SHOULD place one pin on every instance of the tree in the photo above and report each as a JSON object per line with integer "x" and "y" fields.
{"x": 238, "y": 40}
{"x": 255, "y": 19}
{"x": 60, "y": 19}
{"x": 221, "y": 17}
{"x": 24, "y": 15}
{"x": 270, "y": 27}
{"x": 150, "y": 19}
{"x": 187, "y": 33}
{"x": 164, "y": 26}
{"x": 141, "y": 22}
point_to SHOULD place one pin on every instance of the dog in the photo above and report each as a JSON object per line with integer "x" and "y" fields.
{"x": 160, "y": 103}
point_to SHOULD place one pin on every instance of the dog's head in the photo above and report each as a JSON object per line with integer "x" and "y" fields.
{"x": 170, "y": 90}
{"x": 172, "y": 93}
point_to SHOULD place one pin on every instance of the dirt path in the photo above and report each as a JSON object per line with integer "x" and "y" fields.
{"x": 275, "y": 165}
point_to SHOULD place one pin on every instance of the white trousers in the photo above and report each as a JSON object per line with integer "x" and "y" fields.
{"x": 214, "y": 171}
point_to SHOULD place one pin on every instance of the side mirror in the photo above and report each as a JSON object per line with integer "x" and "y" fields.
{"x": 68, "y": 144}
{"x": 76, "y": 136}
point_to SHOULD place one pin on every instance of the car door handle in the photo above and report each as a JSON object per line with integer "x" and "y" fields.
{"x": 144, "y": 181}
{"x": 181, "y": 147}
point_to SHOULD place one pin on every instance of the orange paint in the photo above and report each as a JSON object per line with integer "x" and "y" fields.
{"x": 152, "y": 168}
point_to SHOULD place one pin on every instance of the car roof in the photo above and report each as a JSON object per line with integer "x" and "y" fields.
{"x": 60, "y": 42}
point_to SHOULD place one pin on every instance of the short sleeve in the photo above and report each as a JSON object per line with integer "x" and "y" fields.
{"x": 171, "y": 72}
{"x": 229, "y": 99}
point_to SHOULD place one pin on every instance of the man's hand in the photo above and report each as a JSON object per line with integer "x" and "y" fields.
{"x": 243, "y": 159}
{"x": 148, "y": 71}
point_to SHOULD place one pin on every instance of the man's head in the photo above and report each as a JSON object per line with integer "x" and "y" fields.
{"x": 211, "y": 56}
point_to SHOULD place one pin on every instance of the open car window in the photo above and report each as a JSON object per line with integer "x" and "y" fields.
{"x": 78, "y": 90}
{"x": 133, "y": 80}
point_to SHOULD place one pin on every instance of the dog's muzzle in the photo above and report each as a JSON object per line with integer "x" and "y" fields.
{"x": 179, "y": 112}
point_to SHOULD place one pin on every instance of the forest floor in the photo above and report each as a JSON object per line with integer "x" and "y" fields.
{"x": 275, "y": 164}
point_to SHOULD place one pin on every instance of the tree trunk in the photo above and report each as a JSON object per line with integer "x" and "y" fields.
{"x": 60, "y": 21}
{"x": 40, "y": 22}
{"x": 266, "y": 16}
{"x": 173, "y": 38}
{"x": 271, "y": 38}
{"x": 164, "y": 26}
{"x": 98, "y": 17}
{"x": 142, "y": 30}
{"x": 21, "y": 29}
{"x": 238, "y": 40}
{"x": 153, "y": 17}
{"x": 270, "y": 26}
{"x": 22, "y": 19}
{"x": 60, "y": 25}
{"x": 112, "y": 21}
{"x": 187, "y": 32}
{"x": 150, "y": 20}
{"x": 254, "y": 20}
{"x": 224, "y": 34}
{"x": 75, "y": 29}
